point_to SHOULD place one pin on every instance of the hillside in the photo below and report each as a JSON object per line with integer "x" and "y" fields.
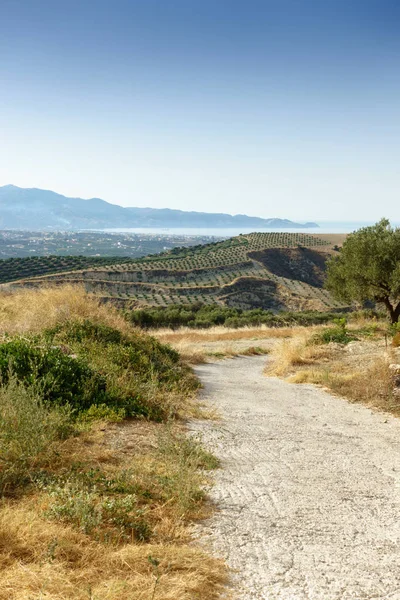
{"x": 260, "y": 270}
{"x": 99, "y": 482}
{"x": 32, "y": 208}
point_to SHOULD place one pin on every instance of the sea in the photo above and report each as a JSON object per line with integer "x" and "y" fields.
{"x": 324, "y": 227}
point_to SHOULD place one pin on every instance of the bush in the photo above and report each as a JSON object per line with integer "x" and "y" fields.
{"x": 142, "y": 377}
{"x": 93, "y": 511}
{"x": 338, "y": 334}
{"x": 60, "y": 378}
{"x": 203, "y": 316}
{"x": 97, "y": 370}
{"x": 80, "y": 331}
{"x": 28, "y": 427}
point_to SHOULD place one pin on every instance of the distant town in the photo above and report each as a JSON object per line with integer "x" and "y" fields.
{"x": 21, "y": 244}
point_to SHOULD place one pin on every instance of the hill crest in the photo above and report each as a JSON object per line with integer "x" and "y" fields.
{"x": 34, "y": 208}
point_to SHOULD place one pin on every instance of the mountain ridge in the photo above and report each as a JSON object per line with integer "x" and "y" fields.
{"x": 30, "y": 208}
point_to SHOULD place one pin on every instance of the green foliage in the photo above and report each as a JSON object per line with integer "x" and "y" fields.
{"x": 81, "y": 331}
{"x": 97, "y": 370}
{"x": 141, "y": 375}
{"x": 60, "y": 378}
{"x": 202, "y": 316}
{"x": 102, "y": 412}
{"x": 187, "y": 450}
{"x": 12, "y": 269}
{"x": 94, "y": 502}
{"x": 338, "y": 334}
{"x": 119, "y": 506}
{"x": 368, "y": 268}
{"x": 92, "y": 511}
{"x": 28, "y": 427}
{"x": 335, "y": 334}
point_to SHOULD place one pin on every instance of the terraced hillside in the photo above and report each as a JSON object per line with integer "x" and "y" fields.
{"x": 279, "y": 271}
{"x": 13, "y": 269}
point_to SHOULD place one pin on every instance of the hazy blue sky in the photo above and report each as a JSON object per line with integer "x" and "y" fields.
{"x": 285, "y": 108}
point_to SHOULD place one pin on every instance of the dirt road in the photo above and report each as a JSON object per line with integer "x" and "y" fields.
{"x": 309, "y": 492}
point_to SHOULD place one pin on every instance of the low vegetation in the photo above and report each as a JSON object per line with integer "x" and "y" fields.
{"x": 98, "y": 480}
{"x": 200, "y": 316}
{"x": 352, "y": 359}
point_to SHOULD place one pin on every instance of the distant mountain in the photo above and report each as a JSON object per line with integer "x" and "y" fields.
{"x": 33, "y": 208}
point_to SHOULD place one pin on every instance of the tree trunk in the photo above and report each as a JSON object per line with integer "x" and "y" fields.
{"x": 394, "y": 312}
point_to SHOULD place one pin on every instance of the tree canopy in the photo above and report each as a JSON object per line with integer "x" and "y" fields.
{"x": 368, "y": 268}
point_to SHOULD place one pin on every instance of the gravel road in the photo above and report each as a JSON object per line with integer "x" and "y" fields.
{"x": 309, "y": 491}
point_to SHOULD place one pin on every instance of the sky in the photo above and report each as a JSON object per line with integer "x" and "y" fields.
{"x": 273, "y": 108}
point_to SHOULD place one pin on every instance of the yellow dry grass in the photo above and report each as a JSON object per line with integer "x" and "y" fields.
{"x": 200, "y": 346}
{"x": 296, "y": 352}
{"x": 369, "y": 383}
{"x": 50, "y": 561}
{"x": 31, "y": 310}
{"x": 219, "y": 334}
{"x": 359, "y": 371}
{"x": 46, "y": 559}
{"x": 196, "y": 353}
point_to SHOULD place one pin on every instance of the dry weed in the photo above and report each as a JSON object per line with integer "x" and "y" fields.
{"x": 296, "y": 352}
{"x": 55, "y": 560}
{"x": 358, "y": 371}
{"x": 219, "y": 334}
{"x": 32, "y": 310}
{"x": 51, "y": 561}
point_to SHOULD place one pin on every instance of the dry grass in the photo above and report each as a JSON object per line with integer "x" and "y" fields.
{"x": 370, "y": 383}
{"x": 190, "y": 353}
{"x": 358, "y": 371}
{"x": 32, "y": 310}
{"x": 50, "y": 561}
{"x": 200, "y": 346}
{"x": 220, "y": 334}
{"x": 196, "y": 354}
{"x": 57, "y": 560}
{"x": 298, "y": 351}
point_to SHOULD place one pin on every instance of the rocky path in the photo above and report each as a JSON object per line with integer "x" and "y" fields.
{"x": 309, "y": 490}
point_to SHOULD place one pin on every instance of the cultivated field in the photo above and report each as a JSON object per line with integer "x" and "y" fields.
{"x": 280, "y": 271}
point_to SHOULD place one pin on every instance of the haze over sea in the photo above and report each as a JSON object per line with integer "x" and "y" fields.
{"x": 324, "y": 227}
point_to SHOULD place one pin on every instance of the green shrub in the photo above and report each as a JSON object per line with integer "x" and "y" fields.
{"x": 60, "y": 378}
{"x": 80, "y": 331}
{"x": 102, "y": 412}
{"x": 338, "y": 334}
{"x": 142, "y": 377}
{"x": 99, "y": 371}
{"x": 28, "y": 428}
{"x": 203, "y": 316}
{"x": 91, "y": 511}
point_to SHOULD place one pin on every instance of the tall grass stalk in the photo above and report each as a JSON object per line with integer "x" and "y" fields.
{"x": 28, "y": 429}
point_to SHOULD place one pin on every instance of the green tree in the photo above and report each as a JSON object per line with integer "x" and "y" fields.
{"x": 368, "y": 268}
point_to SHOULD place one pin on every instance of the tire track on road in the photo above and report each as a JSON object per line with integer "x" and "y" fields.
{"x": 308, "y": 494}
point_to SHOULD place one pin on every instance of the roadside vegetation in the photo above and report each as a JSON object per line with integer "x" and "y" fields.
{"x": 354, "y": 359}
{"x": 98, "y": 480}
{"x": 203, "y": 316}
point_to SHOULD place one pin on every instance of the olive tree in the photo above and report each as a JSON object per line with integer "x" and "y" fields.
{"x": 368, "y": 268}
